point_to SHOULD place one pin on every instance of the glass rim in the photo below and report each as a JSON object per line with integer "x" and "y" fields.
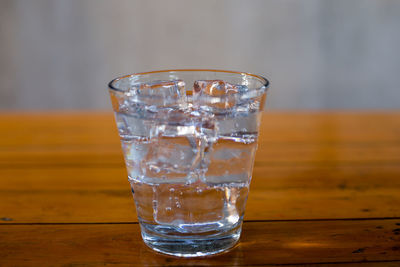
{"x": 264, "y": 80}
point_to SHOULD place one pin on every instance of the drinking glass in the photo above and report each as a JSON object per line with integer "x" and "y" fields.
{"x": 189, "y": 139}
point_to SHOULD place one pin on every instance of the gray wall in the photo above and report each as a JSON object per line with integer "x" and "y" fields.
{"x": 59, "y": 54}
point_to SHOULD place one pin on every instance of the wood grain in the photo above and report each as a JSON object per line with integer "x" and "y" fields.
{"x": 90, "y": 139}
{"x": 262, "y": 243}
{"x": 324, "y": 192}
{"x": 20, "y": 129}
{"x": 102, "y": 194}
{"x": 311, "y": 154}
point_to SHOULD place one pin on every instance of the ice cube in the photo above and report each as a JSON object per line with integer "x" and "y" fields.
{"x": 175, "y": 122}
{"x": 206, "y": 134}
{"x": 180, "y": 146}
{"x": 239, "y": 126}
{"x": 134, "y": 150}
{"x": 216, "y": 95}
{"x": 169, "y": 159}
{"x": 157, "y": 94}
{"x": 190, "y": 209}
{"x": 131, "y": 127}
{"x": 230, "y": 162}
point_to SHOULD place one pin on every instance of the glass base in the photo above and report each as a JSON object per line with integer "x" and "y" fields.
{"x": 193, "y": 245}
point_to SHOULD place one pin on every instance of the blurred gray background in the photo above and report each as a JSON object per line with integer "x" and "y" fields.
{"x": 318, "y": 54}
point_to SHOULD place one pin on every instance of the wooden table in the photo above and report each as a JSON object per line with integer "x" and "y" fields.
{"x": 325, "y": 190}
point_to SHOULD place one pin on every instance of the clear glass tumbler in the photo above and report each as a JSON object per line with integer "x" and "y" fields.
{"x": 189, "y": 139}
